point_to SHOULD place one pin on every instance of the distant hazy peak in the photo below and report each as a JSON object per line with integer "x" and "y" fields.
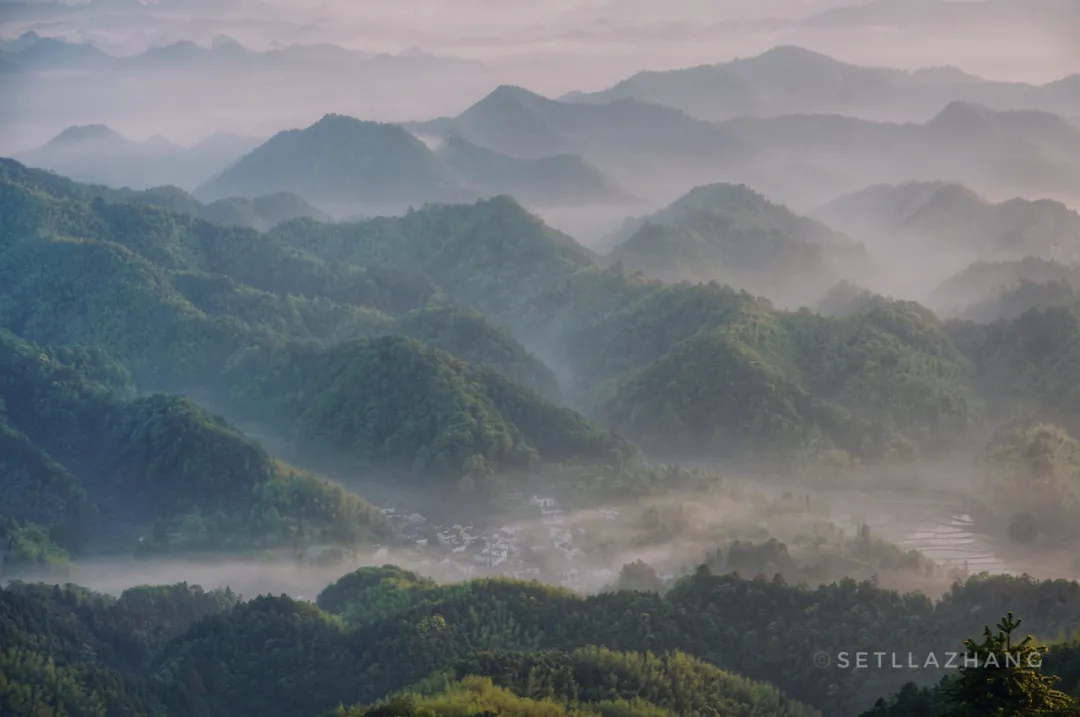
{"x": 333, "y": 122}
{"x": 159, "y": 142}
{"x": 86, "y": 133}
{"x": 946, "y": 73}
{"x": 719, "y": 191}
{"x": 511, "y": 94}
{"x": 787, "y": 54}
{"x": 223, "y": 41}
{"x": 909, "y": 194}
{"x": 962, "y": 116}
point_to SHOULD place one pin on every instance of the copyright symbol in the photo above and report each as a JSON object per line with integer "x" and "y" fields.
{"x": 822, "y": 660}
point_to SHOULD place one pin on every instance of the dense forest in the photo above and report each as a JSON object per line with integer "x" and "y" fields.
{"x": 734, "y": 235}
{"x": 90, "y": 467}
{"x": 474, "y": 351}
{"x": 503, "y": 646}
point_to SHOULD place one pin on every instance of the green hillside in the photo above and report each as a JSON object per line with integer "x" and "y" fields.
{"x": 541, "y": 643}
{"x": 390, "y": 400}
{"x": 734, "y": 235}
{"x": 340, "y": 159}
{"x": 555, "y": 683}
{"x": 231, "y": 313}
{"x": 103, "y": 471}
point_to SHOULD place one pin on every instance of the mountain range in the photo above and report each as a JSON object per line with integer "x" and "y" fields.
{"x": 100, "y": 155}
{"x": 638, "y": 142}
{"x": 923, "y": 215}
{"x": 343, "y": 161}
{"x": 32, "y": 52}
{"x": 734, "y": 235}
{"x": 907, "y": 225}
{"x": 792, "y": 80}
{"x": 800, "y": 159}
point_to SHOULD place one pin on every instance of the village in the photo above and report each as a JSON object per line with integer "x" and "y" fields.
{"x": 541, "y": 549}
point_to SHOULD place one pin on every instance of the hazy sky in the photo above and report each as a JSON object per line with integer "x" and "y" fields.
{"x": 558, "y": 45}
{"x": 550, "y": 47}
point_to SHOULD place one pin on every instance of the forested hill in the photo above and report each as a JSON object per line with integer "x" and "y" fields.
{"x": 655, "y": 362}
{"x": 515, "y": 648}
{"x": 300, "y": 344}
{"x": 734, "y": 235}
{"x": 260, "y": 213}
{"x": 349, "y": 162}
{"x": 88, "y": 467}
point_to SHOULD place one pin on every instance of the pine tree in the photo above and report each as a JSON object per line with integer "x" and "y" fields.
{"x": 1005, "y": 679}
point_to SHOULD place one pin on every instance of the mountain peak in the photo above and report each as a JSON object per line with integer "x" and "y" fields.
{"x": 783, "y": 54}
{"x": 510, "y": 94}
{"x": 86, "y": 133}
{"x": 963, "y": 117}
{"x": 221, "y": 42}
{"x": 333, "y": 122}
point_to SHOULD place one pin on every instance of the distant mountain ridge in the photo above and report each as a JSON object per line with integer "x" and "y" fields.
{"x": 33, "y": 52}
{"x": 641, "y": 144}
{"x": 801, "y": 160}
{"x": 1003, "y": 153}
{"x": 950, "y": 212}
{"x": 928, "y": 231}
{"x": 734, "y": 235}
{"x": 99, "y": 154}
{"x": 988, "y": 291}
{"x": 787, "y": 80}
{"x": 340, "y": 159}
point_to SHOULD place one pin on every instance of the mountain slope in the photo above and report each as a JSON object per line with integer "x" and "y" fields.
{"x": 790, "y": 80}
{"x": 1008, "y": 154}
{"x": 986, "y": 291}
{"x": 392, "y": 401}
{"x": 624, "y": 138}
{"x": 923, "y": 216}
{"x": 107, "y": 472}
{"x": 343, "y": 161}
{"x": 340, "y": 159}
{"x": 98, "y": 154}
{"x": 493, "y": 256}
{"x": 734, "y": 235}
{"x": 563, "y": 179}
{"x": 189, "y": 321}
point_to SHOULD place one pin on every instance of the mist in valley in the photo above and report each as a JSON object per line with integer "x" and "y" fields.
{"x": 760, "y": 308}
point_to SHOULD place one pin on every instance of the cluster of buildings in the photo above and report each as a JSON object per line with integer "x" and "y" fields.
{"x": 541, "y": 550}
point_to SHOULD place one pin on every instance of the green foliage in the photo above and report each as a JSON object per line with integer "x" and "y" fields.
{"x": 1036, "y": 469}
{"x": 707, "y": 369}
{"x": 1029, "y": 367}
{"x": 182, "y": 651}
{"x": 27, "y": 544}
{"x": 1007, "y": 680}
{"x": 392, "y": 401}
{"x": 68, "y": 651}
{"x": 732, "y": 234}
{"x": 201, "y": 308}
{"x": 368, "y": 595}
{"x": 639, "y": 576}
{"x": 590, "y": 675}
{"x": 492, "y": 256}
{"x": 339, "y": 159}
{"x": 760, "y": 629}
{"x": 101, "y": 471}
{"x": 468, "y": 336}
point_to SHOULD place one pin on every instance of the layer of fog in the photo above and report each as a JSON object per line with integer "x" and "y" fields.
{"x": 618, "y": 36}
{"x": 549, "y": 48}
{"x": 672, "y": 534}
